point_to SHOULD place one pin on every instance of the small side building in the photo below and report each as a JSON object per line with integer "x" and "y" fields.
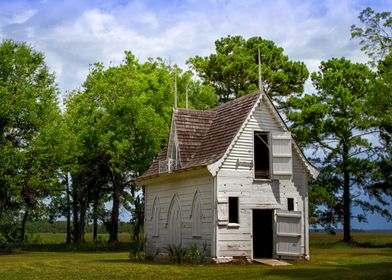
{"x": 232, "y": 178}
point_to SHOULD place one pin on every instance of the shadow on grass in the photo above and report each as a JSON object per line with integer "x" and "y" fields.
{"x": 355, "y": 271}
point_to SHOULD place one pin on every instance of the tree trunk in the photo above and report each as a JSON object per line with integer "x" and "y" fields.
{"x": 82, "y": 219}
{"x": 95, "y": 219}
{"x": 346, "y": 197}
{"x": 75, "y": 210}
{"x": 68, "y": 211}
{"x": 23, "y": 228}
{"x": 115, "y": 213}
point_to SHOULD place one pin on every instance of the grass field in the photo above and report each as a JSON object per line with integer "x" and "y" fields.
{"x": 57, "y": 238}
{"x": 329, "y": 260}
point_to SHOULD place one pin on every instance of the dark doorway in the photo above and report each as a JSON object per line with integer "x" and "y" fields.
{"x": 262, "y": 233}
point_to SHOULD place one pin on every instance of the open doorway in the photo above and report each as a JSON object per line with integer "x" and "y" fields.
{"x": 262, "y": 233}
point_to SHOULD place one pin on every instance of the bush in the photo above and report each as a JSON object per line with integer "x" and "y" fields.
{"x": 9, "y": 229}
{"x": 195, "y": 256}
{"x": 177, "y": 254}
{"x": 180, "y": 255}
{"x": 138, "y": 251}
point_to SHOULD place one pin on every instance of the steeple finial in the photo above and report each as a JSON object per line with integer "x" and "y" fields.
{"x": 175, "y": 90}
{"x": 186, "y": 96}
{"x": 259, "y": 62}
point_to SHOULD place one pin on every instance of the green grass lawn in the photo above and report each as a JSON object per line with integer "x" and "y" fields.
{"x": 58, "y": 238}
{"x": 334, "y": 262}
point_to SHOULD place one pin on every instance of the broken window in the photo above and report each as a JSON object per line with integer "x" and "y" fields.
{"x": 262, "y": 155}
{"x": 233, "y": 210}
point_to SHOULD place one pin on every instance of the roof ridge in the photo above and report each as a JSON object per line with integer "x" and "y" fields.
{"x": 237, "y": 100}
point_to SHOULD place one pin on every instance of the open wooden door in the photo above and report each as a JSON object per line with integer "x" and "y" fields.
{"x": 288, "y": 233}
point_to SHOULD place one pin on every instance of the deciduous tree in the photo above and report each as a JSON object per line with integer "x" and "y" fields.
{"x": 30, "y": 141}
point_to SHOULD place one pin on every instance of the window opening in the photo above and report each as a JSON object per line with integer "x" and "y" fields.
{"x": 262, "y": 155}
{"x": 290, "y": 204}
{"x": 233, "y": 210}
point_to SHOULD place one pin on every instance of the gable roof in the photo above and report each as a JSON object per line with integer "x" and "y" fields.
{"x": 204, "y": 136}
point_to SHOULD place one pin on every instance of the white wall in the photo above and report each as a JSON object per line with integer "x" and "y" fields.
{"x": 238, "y": 180}
{"x": 184, "y": 185}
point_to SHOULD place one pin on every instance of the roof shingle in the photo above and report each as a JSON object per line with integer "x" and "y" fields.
{"x": 205, "y": 135}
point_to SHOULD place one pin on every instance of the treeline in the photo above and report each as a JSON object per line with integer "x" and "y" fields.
{"x": 45, "y": 226}
{"x": 72, "y": 163}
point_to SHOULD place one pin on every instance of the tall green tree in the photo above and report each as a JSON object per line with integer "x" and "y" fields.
{"x": 29, "y": 139}
{"x": 375, "y": 34}
{"x": 233, "y": 69}
{"x": 333, "y": 123}
{"x": 119, "y": 122}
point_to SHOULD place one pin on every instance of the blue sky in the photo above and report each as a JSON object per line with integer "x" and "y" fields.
{"x": 74, "y": 34}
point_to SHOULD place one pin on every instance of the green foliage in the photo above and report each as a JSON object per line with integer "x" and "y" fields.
{"x": 376, "y": 40}
{"x": 375, "y": 34}
{"x": 9, "y": 227}
{"x": 30, "y": 130}
{"x": 196, "y": 255}
{"x": 177, "y": 254}
{"x": 180, "y": 255}
{"x": 233, "y": 70}
{"x": 138, "y": 251}
{"x": 46, "y": 226}
{"x": 333, "y": 122}
{"x": 119, "y": 122}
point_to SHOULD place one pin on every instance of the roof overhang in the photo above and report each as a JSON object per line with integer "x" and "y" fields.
{"x": 178, "y": 174}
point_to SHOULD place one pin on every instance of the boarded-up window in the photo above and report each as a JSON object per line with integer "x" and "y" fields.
{"x": 282, "y": 165}
{"x": 155, "y": 217}
{"x": 174, "y": 222}
{"x": 233, "y": 210}
{"x": 223, "y": 215}
{"x": 261, "y": 155}
{"x": 196, "y": 216}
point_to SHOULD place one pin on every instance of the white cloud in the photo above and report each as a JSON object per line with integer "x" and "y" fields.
{"x": 76, "y": 34}
{"x": 22, "y": 17}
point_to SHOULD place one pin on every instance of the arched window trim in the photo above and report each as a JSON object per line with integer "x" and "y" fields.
{"x": 155, "y": 216}
{"x": 196, "y": 225}
{"x": 175, "y": 201}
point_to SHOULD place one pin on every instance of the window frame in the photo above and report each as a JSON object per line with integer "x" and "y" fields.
{"x": 270, "y": 171}
{"x": 233, "y": 222}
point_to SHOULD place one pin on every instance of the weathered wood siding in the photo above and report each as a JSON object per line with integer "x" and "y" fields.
{"x": 184, "y": 188}
{"x": 236, "y": 178}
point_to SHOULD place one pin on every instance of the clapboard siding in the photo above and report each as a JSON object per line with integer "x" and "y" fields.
{"x": 252, "y": 195}
{"x": 260, "y": 120}
{"x": 236, "y": 179}
{"x": 232, "y": 175}
{"x": 184, "y": 188}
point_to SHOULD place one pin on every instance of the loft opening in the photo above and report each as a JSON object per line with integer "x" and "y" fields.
{"x": 262, "y": 155}
{"x": 290, "y": 204}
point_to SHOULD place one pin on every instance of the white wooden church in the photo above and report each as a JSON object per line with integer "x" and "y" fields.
{"x": 233, "y": 178}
